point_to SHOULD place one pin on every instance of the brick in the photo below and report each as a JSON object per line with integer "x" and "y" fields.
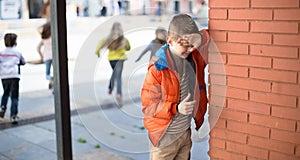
{"x": 214, "y": 117}
{"x": 251, "y": 158}
{"x": 249, "y": 107}
{"x": 217, "y": 143}
{"x": 248, "y": 150}
{"x": 234, "y": 115}
{"x": 272, "y": 122}
{"x": 274, "y": 51}
{"x": 246, "y": 60}
{"x": 287, "y": 89}
{"x": 288, "y": 40}
{"x": 281, "y": 156}
{"x": 252, "y": 38}
{"x": 237, "y": 93}
{"x": 217, "y": 101}
{"x": 288, "y": 113}
{"x": 285, "y": 136}
{"x": 217, "y": 80}
{"x": 215, "y": 121}
{"x": 235, "y": 137}
{"x": 271, "y": 98}
{"x": 229, "y": 4}
{"x": 274, "y": 4}
{"x": 274, "y": 27}
{"x": 229, "y": 135}
{"x": 222, "y": 154}
{"x": 286, "y": 64}
{"x": 225, "y": 25}
{"x": 218, "y": 36}
{"x": 219, "y": 123}
{"x": 272, "y": 145}
{"x": 248, "y": 129}
{"x": 287, "y": 14}
{"x": 218, "y": 90}
{"x": 250, "y": 84}
{"x": 218, "y": 14}
{"x": 228, "y": 70}
{"x": 231, "y": 48}
{"x": 217, "y": 58}
{"x": 236, "y": 71}
{"x": 217, "y": 133}
{"x": 213, "y": 48}
{"x": 250, "y": 14}
{"x": 298, "y": 150}
{"x": 216, "y": 69}
{"x": 273, "y": 75}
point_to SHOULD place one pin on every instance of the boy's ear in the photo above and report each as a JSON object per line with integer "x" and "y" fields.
{"x": 170, "y": 41}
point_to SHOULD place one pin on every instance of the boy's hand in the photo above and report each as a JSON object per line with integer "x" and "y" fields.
{"x": 186, "y": 107}
{"x": 194, "y": 39}
{"x": 190, "y": 40}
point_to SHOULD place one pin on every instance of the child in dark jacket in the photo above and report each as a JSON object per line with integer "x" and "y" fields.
{"x": 155, "y": 44}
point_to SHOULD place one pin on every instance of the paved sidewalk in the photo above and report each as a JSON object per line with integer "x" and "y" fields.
{"x": 103, "y": 130}
{"x": 34, "y": 136}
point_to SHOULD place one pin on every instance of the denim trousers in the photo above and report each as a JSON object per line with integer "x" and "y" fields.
{"x": 10, "y": 88}
{"x": 117, "y": 67}
{"x": 48, "y": 64}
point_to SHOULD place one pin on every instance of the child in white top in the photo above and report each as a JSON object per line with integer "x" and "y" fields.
{"x": 46, "y": 54}
{"x": 10, "y": 61}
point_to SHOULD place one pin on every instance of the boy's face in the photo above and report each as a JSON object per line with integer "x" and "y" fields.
{"x": 184, "y": 45}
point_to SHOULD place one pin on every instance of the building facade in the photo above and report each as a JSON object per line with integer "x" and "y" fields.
{"x": 255, "y": 80}
{"x": 29, "y": 9}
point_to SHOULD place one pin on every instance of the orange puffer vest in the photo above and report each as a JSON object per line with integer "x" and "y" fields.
{"x": 161, "y": 91}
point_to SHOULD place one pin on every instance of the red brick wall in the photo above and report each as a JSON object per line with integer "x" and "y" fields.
{"x": 255, "y": 79}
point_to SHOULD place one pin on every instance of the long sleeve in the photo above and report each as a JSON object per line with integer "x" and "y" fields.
{"x": 148, "y": 48}
{"x": 99, "y": 46}
{"x": 22, "y": 60}
{"x": 128, "y": 47}
{"x": 39, "y": 49}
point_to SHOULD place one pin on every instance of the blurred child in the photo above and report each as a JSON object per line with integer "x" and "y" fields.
{"x": 10, "y": 61}
{"x": 155, "y": 44}
{"x": 45, "y": 11}
{"x": 46, "y": 53}
{"x": 117, "y": 45}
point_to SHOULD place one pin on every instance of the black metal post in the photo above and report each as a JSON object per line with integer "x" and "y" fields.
{"x": 61, "y": 82}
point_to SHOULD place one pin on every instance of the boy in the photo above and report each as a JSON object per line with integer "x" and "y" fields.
{"x": 10, "y": 61}
{"x": 174, "y": 90}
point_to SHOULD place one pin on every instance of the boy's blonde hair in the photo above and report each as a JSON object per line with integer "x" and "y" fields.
{"x": 180, "y": 25}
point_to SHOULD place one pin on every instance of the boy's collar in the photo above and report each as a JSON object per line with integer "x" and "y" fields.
{"x": 162, "y": 62}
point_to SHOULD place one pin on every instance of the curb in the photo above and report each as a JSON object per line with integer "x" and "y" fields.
{"x": 74, "y": 112}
